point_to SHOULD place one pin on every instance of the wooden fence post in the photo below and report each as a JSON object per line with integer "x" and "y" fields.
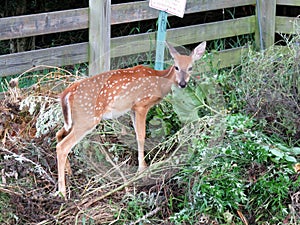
{"x": 99, "y": 36}
{"x": 265, "y": 23}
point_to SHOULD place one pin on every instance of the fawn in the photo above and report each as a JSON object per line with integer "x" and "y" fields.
{"x": 111, "y": 94}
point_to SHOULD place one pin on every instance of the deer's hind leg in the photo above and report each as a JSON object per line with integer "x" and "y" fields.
{"x": 60, "y": 136}
{"x": 64, "y": 147}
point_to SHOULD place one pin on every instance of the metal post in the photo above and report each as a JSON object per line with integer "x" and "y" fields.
{"x": 160, "y": 40}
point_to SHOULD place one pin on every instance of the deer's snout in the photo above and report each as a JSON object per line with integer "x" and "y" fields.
{"x": 183, "y": 78}
{"x": 182, "y": 84}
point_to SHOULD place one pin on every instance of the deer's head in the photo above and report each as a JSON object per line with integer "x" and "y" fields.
{"x": 183, "y": 64}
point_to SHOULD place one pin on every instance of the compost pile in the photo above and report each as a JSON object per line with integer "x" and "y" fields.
{"x": 29, "y": 120}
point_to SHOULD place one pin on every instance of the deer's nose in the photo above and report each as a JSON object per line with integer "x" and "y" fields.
{"x": 182, "y": 84}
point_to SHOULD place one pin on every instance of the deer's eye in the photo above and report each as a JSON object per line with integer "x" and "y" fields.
{"x": 176, "y": 68}
{"x": 190, "y": 69}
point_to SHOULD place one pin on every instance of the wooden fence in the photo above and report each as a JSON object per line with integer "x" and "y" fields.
{"x": 100, "y": 16}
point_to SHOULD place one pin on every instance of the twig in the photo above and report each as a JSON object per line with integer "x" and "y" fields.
{"x": 22, "y": 159}
{"x": 243, "y": 218}
{"x": 126, "y": 184}
{"x": 44, "y": 66}
{"x": 115, "y": 166}
{"x": 149, "y": 214}
{"x": 5, "y": 190}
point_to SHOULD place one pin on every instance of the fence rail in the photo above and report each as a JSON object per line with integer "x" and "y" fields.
{"x": 67, "y": 20}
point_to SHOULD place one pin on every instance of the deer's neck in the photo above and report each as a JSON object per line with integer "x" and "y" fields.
{"x": 168, "y": 73}
{"x": 167, "y": 79}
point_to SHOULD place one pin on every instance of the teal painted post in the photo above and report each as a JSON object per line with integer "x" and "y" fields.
{"x": 160, "y": 40}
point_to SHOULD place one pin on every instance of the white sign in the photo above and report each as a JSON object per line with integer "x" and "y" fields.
{"x": 175, "y": 7}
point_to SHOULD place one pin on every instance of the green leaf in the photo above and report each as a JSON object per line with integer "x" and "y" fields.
{"x": 290, "y": 158}
{"x": 277, "y": 153}
{"x": 186, "y": 104}
{"x": 296, "y": 150}
{"x": 282, "y": 147}
{"x": 266, "y": 147}
{"x": 155, "y": 121}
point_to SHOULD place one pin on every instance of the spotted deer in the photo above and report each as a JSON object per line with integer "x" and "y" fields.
{"x": 114, "y": 93}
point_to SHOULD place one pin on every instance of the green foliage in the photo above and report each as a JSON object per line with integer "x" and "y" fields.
{"x": 197, "y": 100}
{"x": 237, "y": 173}
{"x": 138, "y": 206}
{"x": 269, "y": 195}
{"x": 163, "y": 121}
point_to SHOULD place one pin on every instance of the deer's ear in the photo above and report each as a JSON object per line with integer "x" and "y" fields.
{"x": 198, "y": 51}
{"x": 172, "y": 50}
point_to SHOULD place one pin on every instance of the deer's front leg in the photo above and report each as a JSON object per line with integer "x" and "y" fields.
{"x": 139, "y": 118}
